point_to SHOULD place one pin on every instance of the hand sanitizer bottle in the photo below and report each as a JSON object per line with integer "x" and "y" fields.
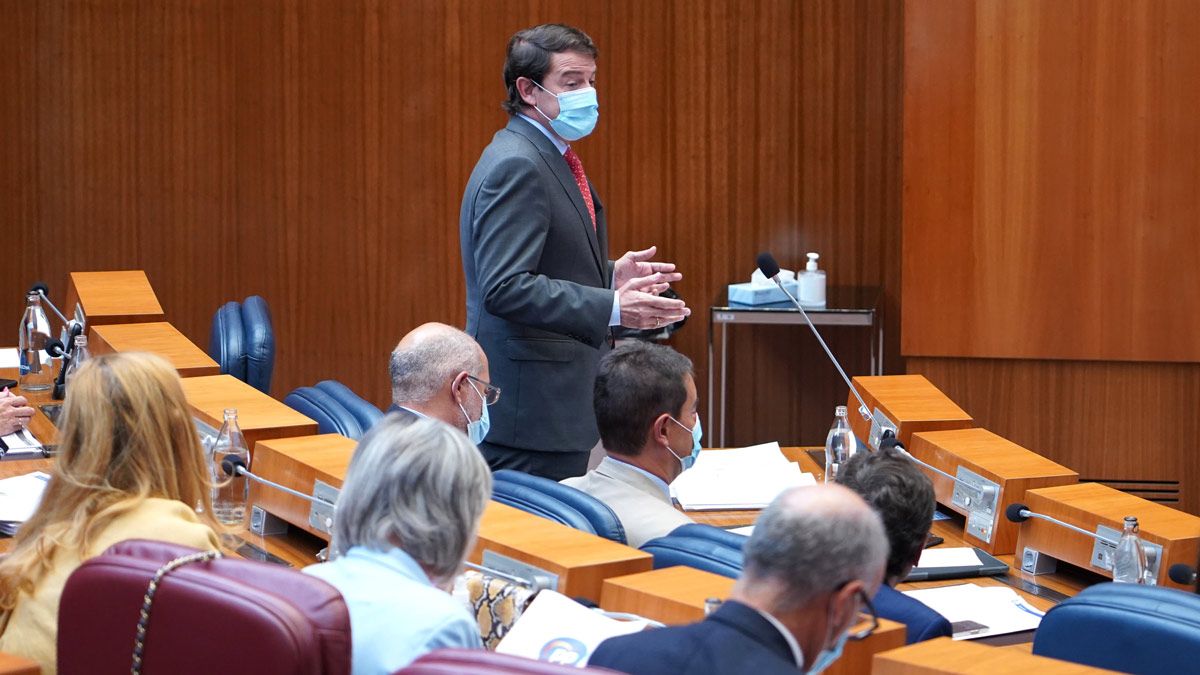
{"x": 812, "y": 284}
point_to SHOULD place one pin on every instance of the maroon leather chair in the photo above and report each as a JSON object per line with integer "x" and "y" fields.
{"x": 221, "y": 616}
{"x": 480, "y": 662}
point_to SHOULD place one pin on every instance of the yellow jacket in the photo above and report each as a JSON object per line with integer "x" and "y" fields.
{"x": 32, "y": 628}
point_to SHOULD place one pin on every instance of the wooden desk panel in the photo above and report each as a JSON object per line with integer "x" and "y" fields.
{"x": 10, "y": 664}
{"x": 260, "y": 416}
{"x": 298, "y": 462}
{"x": 159, "y": 338}
{"x": 910, "y": 401}
{"x": 582, "y": 561}
{"x": 113, "y": 297}
{"x": 944, "y": 656}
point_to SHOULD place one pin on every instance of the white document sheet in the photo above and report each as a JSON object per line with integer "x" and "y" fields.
{"x": 997, "y": 610}
{"x": 20, "y": 496}
{"x": 747, "y": 530}
{"x": 746, "y": 478}
{"x": 556, "y": 629}
{"x": 949, "y": 557}
{"x": 9, "y": 358}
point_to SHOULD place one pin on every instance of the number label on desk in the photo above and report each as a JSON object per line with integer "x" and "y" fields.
{"x": 726, "y": 317}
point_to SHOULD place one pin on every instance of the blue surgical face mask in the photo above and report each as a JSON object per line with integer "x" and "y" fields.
{"x": 478, "y": 429}
{"x": 697, "y": 433}
{"x": 578, "y": 112}
{"x": 827, "y": 656}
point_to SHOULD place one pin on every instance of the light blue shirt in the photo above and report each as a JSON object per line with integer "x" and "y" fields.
{"x": 662, "y": 484}
{"x": 396, "y": 614}
{"x": 614, "y": 318}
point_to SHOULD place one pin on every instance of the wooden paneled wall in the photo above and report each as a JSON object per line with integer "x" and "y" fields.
{"x": 1052, "y": 211}
{"x": 314, "y": 152}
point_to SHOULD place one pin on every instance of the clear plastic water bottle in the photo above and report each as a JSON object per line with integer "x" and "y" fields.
{"x": 839, "y": 444}
{"x": 36, "y": 368}
{"x": 1129, "y": 562}
{"x": 79, "y": 356}
{"x": 229, "y": 492}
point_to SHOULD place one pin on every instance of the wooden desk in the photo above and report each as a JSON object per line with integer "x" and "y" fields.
{"x": 582, "y": 561}
{"x": 159, "y": 338}
{"x": 909, "y": 401}
{"x": 944, "y": 656}
{"x": 40, "y": 426}
{"x": 299, "y": 462}
{"x": 676, "y": 595}
{"x": 113, "y": 297}
{"x": 260, "y": 416}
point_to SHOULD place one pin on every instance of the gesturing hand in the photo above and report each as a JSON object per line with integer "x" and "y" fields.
{"x": 637, "y": 264}
{"x": 642, "y": 308}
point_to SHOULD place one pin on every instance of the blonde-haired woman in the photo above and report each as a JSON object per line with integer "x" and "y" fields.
{"x": 130, "y": 466}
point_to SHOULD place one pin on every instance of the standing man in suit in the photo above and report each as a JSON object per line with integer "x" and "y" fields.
{"x": 816, "y": 556}
{"x": 438, "y": 371}
{"x": 903, "y": 496}
{"x": 646, "y": 408}
{"x": 541, "y": 291}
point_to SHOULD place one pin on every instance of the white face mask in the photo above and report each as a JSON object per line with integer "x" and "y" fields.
{"x": 477, "y": 430}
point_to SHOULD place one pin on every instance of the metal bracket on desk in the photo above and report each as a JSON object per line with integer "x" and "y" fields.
{"x": 879, "y": 424}
{"x": 320, "y": 515}
{"x": 266, "y": 524}
{"x": 980, "y": 498}
{"x": 535, "y": 576}
{"x": 1104, "y": 552}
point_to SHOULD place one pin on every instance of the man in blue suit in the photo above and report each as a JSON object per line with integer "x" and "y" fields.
{"x": 904, "y": 498}
{"x": 817, "y": 554}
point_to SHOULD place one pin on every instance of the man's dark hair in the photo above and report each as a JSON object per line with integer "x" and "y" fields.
{"x": 636, "y": 383}
{"x": 529, "y": 53}
{"x": 901, "y": 494}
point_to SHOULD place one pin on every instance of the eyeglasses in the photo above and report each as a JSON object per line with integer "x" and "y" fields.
{"x": 866, "y": 632}
{"x": 491, "y": 393}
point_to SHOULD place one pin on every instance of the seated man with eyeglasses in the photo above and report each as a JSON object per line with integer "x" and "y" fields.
{"x": 439, "y": 371}
{"x": 816, "y": 557}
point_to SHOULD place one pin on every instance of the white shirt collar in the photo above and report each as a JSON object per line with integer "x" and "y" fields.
{"x": 660, "y": 483}
{"x": 558, "y": 142}
{"x": 787, "y": 636}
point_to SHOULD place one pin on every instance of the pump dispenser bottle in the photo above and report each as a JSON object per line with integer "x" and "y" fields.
{"x": 812, "y": 284}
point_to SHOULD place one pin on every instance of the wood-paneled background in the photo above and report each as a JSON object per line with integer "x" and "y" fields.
{"x": 314, "y": 152}
{"x": 1052, "y": 211}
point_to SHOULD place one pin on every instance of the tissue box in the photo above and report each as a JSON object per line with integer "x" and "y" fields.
{"x": 749, "y": 294}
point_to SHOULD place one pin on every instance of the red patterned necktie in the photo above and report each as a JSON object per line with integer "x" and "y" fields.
{"x": 581, "y": 180}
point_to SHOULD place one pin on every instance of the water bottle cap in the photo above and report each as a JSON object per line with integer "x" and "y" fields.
{"x": 1131, "y": 520}
{"x": 80, "y": 340}
{"x": 230, "y": 413}
{"x": 840, "y": 411}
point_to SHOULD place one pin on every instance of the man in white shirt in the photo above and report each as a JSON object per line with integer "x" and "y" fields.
{"x": 646, "y": 409}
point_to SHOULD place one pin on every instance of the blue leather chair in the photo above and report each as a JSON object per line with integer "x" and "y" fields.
{"x": 717, "y": 535}
{"x": 1125, "y": 627}
{"x": 335, "y": 408}
{"x": 702, "y": 553}
{"x": 555, "y": 501}
{"x": 242, "y": 342}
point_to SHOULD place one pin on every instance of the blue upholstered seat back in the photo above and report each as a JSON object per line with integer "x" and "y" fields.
{"x": 242, "y": 342}
{"x": 1125, "y": 627}
{"x": 335, "y": 408}
{"x": 557, "y": 502}
{"x": 702, "y": 553}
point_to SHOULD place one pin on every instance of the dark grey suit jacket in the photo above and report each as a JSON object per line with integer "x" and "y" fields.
{"x": 538, "y": 297}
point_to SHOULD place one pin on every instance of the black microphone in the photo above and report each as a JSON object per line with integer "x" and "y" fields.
{"x": 40, "y": 287}
{"x": 232, "y": 465}
{"x": 1182, "y": 573}
{"x": 54, "y": 347}
{"x": 770, "y": 269}
{"x": 1019, "y": 513}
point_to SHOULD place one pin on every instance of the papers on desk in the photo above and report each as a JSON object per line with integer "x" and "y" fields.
{"x": 21, "y": 445}
{"x": 744, "y": 531}
{"x": 979, "y": 611}
{"x": 10, "y": 358}
{"x": 19, "y": 498}
{"x": 556, "y": 629}
{"x": 949, "y": 557}
{"x": 746, "y": 478}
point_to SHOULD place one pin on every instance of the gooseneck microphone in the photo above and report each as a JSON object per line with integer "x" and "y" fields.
{"x": 770, "y": 269}
{"x": 1019, "y": 513}
{"x": 234, "y": 466}
{"x": 889, "y": 441}
{"x": 1182, "y": 573}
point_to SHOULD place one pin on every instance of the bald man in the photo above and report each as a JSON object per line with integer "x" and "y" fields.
{"x": 817, "y": 554}
{"x": 439, "y": 371}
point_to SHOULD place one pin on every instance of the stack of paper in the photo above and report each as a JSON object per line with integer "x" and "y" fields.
{"x": 979, "y": 611}
{"x": 19, "y": 498}
{"x": 746, "y": 478}
{"x": 21, "y": 445}
{"x": 557, "y": 629}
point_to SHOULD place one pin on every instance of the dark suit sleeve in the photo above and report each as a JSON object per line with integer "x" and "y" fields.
{"x": 510, "y": 230}
{"x": 939, "y": 627}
